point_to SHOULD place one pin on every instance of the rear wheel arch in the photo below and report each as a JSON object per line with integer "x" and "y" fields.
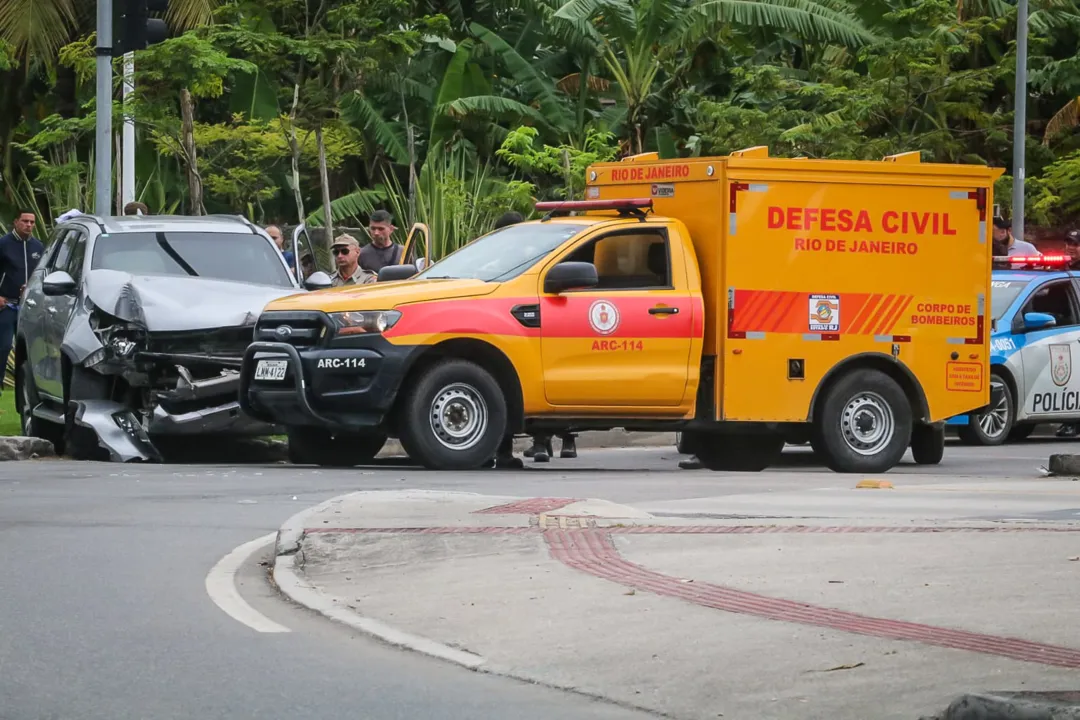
{"x": 486, "y": 356}
{"x": 902, "y": 374}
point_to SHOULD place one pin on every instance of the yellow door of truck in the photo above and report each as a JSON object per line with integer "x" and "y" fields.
{"x": 626, "y": 343}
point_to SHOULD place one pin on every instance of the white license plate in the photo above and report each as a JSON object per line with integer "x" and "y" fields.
{"x": 271, "y": 369}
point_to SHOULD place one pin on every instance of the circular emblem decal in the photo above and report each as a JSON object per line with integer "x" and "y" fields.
{"x": 284, "y": 331}
{"x": 603, "y": 317}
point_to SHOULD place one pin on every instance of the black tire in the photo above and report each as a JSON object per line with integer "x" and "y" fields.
{"x": 81, "y": 443}
{"x": 685, "y": 442}
{"x": 928, "y": 444}
{"x": 864, "y": 423}
{"x": 740, "y": 453}
{"x": 453, "y": 391}
{"x": 26, "y": 398}
{"x": 316, "y": 446}
{"x": 1019, "y": 433}
{"x": 991, "y": 428}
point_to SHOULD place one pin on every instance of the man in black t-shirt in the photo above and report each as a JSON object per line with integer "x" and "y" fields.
{"x": 381, "y": 251}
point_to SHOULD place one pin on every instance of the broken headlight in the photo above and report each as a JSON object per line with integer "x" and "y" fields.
{"x": 119, "y": 339}
{"x": 362, "y": 322}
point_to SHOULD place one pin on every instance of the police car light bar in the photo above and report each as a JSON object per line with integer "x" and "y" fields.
{"x": 1038, "y": 260}
{"x": 567, "y": 206}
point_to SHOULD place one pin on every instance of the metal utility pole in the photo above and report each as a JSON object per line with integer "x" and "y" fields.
{"x": 103, "y": 144}
{"x": 127, "y": 183}
{"x": 1020, "y": 119}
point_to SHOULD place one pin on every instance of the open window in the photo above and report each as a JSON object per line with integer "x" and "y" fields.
{"x": 417, "y": 249}
{"x": 304, "y": 258}
{"x": 628, "y": 260}
{"x": 1057, "y": 299}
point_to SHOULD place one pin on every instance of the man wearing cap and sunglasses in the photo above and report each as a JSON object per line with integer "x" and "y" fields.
{"x": 346, "y": 250}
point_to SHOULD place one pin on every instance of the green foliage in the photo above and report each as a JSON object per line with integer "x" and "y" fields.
{"x": 457, "y": 199}
{"x": 494, "y": 103}
{"x": 562, "y": 167}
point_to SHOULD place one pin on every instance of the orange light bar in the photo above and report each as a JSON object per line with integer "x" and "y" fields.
{"x": 570, "y": 205}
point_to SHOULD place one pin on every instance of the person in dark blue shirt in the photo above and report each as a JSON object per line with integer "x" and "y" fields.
{"x": 20, "y": 253}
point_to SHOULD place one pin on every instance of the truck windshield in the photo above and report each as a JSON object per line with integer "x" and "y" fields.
{"x": 1002, "y": 294}
{"x": 238, "y": 257}
{"x": 503, "y": 254}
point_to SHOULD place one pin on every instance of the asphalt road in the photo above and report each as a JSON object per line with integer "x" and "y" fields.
{"x": 104, "y": 611}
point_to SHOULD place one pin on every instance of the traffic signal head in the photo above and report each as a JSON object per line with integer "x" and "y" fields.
{"x": 133, "y": 28}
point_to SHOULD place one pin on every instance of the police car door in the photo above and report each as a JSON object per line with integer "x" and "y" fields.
{"x": 1050, "y": 385}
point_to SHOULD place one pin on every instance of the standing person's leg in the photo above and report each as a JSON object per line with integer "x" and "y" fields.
{"x": 9, "y": 318}
{"x": 541, "y": 450}
{"x": 569, "y": 446}
{"x": 504, "y": 456}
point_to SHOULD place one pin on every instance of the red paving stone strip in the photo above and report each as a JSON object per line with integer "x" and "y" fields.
{"x": 822, "y": 529}
{"x": 533, "y": 506}
{"x": 466, "y": 530}
{"x": 704, "y": 530}
{"x": 594, "y": 552}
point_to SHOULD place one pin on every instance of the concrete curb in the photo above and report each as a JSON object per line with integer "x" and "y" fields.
{"x": 1015, "y": 706}
{"x": 289, "y": 580}
{"x": 288, "y": 575}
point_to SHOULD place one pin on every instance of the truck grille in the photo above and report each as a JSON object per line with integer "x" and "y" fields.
{"x": 224, "y": 342}
{"x": 299, "y": 329}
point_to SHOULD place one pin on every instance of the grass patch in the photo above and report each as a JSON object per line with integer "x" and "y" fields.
{"x": 9, "y": 419}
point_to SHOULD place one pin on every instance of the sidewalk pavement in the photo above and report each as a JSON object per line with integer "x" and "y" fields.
{"x": 892, "y": 613}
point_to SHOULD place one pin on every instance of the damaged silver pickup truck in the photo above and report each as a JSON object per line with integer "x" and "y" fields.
{"x": 132, "y": 331}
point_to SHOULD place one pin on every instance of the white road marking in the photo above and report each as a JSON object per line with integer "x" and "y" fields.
{"x": 221, "y": 587}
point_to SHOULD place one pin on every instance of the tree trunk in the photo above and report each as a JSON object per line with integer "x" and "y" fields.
{"x": 187, "y": 115}
{"x": 294, "y": 150}
{"x": 324, "y": 180}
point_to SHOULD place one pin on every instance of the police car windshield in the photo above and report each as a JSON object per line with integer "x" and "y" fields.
{"x": 1002, "y": 294}
{"x": 502, "y": 254}
{"x": 237, "y": 257}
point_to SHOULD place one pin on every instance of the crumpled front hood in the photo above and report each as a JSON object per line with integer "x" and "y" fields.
{"x": 165, "y": 303}
{"x": 384, "y": 296}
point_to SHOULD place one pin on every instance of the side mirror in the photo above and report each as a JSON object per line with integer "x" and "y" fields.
{"x": 571, "y": 276}
{"x": 1038, "y": 321}
{"x": 317, "y": 280}
{"x": 396, "y": 272}
{"x": 58, "y": 283}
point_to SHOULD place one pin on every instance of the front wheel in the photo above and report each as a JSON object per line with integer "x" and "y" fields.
{"x": 928, "y": 444}
{"x": 26, "y": 400}
{"x": 864, "y": 423}
{"x": 992, "y": 427}
{"x": 454, "y": 418}
{"x": 315, "y": 446}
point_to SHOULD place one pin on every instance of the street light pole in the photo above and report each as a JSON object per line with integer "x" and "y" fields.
{"x": 103, "y": 144}
{"x": 127, "y": 184}
{"x": 1020, "y": 119}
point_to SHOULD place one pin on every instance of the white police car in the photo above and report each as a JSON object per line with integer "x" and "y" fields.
{"x": 1035, "y": 334}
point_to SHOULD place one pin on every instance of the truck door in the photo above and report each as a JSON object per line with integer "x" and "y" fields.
{"x": 417, "y": 249}
{"x": 626, "y": 342}
{"x": 1050, "y": 386}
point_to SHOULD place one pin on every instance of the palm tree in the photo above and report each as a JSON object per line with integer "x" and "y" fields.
{"x": 636, "y": 39}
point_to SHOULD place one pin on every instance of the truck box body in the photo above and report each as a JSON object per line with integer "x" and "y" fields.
{"x": 806, "y": 264}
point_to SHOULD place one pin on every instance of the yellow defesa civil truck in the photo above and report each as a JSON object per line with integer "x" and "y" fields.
{"x": 741, "y": 300}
